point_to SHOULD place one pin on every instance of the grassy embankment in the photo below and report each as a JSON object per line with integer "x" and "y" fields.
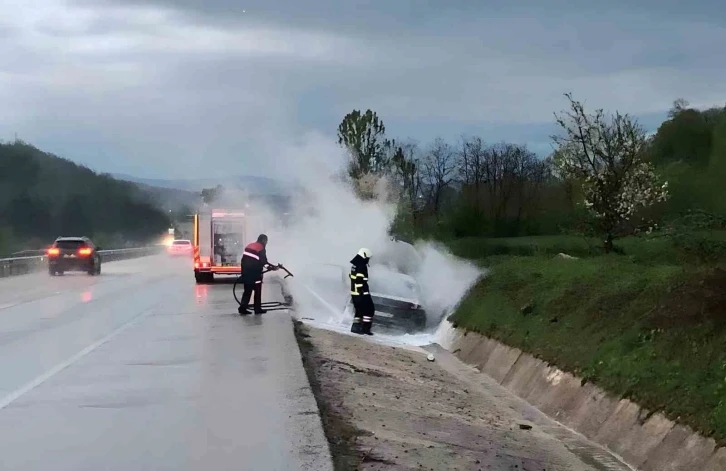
{"x": 649, "y": 325}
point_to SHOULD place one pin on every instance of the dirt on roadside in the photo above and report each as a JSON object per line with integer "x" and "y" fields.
{"x": 389, "y": 408}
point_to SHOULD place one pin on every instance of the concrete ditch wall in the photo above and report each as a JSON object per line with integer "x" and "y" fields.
{"x": 646, "y": 442}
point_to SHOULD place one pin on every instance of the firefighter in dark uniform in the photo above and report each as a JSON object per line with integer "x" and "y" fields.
{"x": 254, "y": 260}
{"x": 360, "y": 293}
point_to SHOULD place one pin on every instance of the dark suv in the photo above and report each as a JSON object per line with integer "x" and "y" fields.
{"x": 73, "y": 254}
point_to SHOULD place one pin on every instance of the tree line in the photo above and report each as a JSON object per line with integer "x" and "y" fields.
{"x": 43, "y": 196}
{"x": 606, "y": 177}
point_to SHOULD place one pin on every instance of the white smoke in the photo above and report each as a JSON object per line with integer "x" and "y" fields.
{"x": 329, "y": 224}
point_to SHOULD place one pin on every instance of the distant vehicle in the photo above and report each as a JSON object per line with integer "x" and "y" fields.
{"x": 73, "y": 254}
{"x": 397, "y": 298}
{"x": 181, "y": 247}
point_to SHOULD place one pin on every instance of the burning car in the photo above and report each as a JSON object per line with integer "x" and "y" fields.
{"x": 397, "y": 298}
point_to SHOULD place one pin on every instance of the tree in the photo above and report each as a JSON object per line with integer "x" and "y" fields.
{"x": 210, "y": 195}
{"x": 527, "y": 179}
{"x": 408, "y": 169}
{"x": 439, "y": 168}
{"x": 679, "y": 105}
{"x": 471, "y": 170}
{"x": 608, "y": 156}
{"x": 685, "y": 137}
{"x": 363, "y": 135}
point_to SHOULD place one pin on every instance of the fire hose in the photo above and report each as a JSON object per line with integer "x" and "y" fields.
{"x": 270, "y": 305}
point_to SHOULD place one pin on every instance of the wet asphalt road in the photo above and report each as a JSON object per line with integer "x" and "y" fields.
{"x": 141, "y": 369}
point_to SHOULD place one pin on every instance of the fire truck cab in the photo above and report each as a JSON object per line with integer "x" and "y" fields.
{"x": 220, "y": 236}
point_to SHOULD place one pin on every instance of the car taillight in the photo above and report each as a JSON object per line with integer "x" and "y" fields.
{"x": 84, "y": 251}
{"x": 53, "y": 251}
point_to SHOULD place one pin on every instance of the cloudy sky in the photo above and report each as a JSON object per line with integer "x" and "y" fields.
{"x": 183, "y": 88}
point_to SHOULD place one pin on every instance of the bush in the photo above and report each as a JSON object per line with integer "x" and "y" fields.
{"x": 700, "y": 247}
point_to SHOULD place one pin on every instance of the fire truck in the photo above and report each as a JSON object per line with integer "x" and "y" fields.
{"x": 219, "y": 238}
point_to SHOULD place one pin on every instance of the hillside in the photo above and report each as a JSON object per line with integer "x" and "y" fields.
{"x": 168, "y": 199}
{"x": 254, "y": 184}
{"x": 43, "y": 196}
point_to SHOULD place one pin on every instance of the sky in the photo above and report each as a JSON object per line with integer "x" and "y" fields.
{"x": 191, "y": 88}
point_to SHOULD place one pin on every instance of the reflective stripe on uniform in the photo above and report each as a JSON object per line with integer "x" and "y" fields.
{"x": 250, "y": 254}
{"x": 366, "y": 292}
{"x": 258, "y": 282}
{"x": 367, "y": 319}
{"x": 355, "y": 293}
{"x": 356, "y": 320}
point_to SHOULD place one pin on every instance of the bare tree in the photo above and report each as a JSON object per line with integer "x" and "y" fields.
{"x": 471, "y": 170}
{"x": 501, "y": 181}
{"x": 408, "y": 170}
{"x": 528, "y": 180}
{"x": 439, "y": 169}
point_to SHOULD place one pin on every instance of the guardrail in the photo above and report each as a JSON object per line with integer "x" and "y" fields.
{"x": 24, "y": 265}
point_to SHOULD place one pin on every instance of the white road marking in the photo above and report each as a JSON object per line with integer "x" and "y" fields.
{"x": 5, "y": 306}
{"x": 13, "y": 396}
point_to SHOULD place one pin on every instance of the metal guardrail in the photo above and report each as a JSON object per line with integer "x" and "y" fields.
{"x": 23, "y": 265}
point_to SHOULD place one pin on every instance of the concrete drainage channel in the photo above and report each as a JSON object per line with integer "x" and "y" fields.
{"x": 647, "y": 442}
{"x": 16, "y": 266}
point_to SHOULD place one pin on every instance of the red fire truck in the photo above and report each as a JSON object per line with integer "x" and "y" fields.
{"x": 219, "y": 238}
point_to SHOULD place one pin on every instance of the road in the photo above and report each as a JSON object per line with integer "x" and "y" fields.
{"x": 141, "y": 369}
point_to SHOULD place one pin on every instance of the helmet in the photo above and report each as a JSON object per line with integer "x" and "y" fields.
{"x": 365, "y": 253}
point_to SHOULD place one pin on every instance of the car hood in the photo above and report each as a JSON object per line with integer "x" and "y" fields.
{"x": 385, "y": 283}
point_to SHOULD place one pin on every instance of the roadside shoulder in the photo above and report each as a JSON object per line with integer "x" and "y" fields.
{"x": 388, "y": 408}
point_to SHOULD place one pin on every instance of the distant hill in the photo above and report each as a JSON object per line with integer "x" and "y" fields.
{"x": 253, "y": 184}
{"x": 43, "y": 196}
{"x": 168, "y": 199}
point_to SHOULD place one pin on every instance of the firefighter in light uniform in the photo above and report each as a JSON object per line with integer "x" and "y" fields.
{"x": 254, "y": 260}
{"x": 360, "y": 293}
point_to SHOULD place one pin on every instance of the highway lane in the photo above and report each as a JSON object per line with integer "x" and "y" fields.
{"x": 142, "y": 369}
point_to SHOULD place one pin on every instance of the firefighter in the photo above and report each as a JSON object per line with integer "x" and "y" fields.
{"x": 360, "y": 293}
{"x": 254, "y": 260}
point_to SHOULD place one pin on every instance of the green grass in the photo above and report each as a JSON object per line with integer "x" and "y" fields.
{"x": 641, "y": 325}
{"x": 645, "y": 249}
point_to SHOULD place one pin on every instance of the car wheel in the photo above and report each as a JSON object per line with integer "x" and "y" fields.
{"x": 51, "y": 272}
